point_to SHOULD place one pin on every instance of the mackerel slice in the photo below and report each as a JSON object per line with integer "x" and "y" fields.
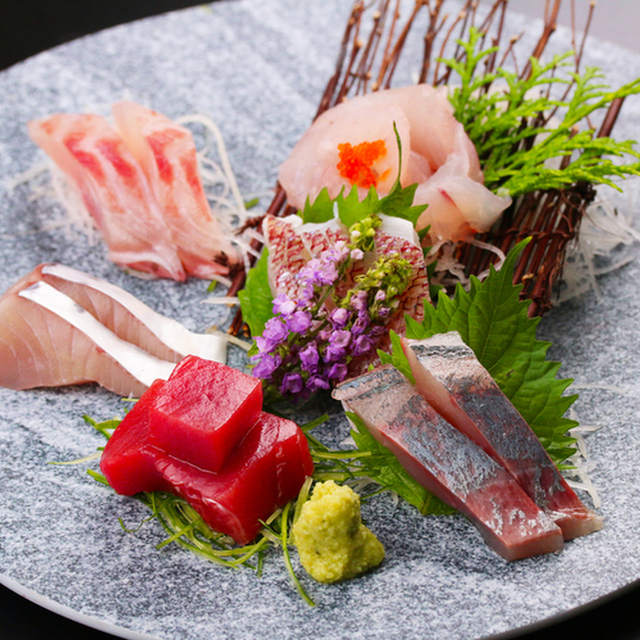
{"x": 452, "y": 380}
{"x": 450, "y": 465}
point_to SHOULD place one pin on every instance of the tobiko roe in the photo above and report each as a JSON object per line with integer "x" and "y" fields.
{"x": 233, "y": 493}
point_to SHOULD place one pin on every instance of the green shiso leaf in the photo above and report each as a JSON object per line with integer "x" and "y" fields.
{"x": 256, "y": 299}
{"x": 507, "y": 125}
{"x": 493, "y": 321}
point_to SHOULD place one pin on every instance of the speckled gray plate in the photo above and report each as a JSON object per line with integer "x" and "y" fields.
{"x": 257, "y": 67}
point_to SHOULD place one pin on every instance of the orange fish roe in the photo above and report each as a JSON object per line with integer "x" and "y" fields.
{"x": 356, "y": 163}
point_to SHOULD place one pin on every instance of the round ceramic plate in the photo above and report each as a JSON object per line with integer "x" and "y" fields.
{"x": 258, "y": 67}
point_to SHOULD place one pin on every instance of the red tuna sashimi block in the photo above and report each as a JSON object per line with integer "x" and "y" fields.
{"x": 264, "y": 473}
{"x": 204, "y": 411}
{"x": 451, "y": 378}
{"x": 450, "y": 465}
{"x": 128, "y": 462}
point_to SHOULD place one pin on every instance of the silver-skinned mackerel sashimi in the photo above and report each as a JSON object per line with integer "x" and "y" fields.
{"x": 450, "y": 465}
{"x": 450, "y": 377}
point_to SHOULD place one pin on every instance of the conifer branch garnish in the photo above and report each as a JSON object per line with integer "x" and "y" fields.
{"x": 507, "y": 118}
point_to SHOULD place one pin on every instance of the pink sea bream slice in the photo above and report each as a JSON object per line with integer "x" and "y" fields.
{"x": 167, "y": 154}
{"x": 114, "y": 190}
{"x": 453, "y": 381}
{"x": 448, "y": 464}
{"x": 204, "y": 411}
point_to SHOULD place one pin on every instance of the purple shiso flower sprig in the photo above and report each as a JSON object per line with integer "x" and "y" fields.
{"x": 308, "y": 344}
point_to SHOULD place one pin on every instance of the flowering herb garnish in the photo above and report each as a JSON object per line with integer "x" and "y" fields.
{"x": 308, "y": 343}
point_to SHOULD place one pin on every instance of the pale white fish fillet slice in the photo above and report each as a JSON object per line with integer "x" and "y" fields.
{"x": 114, "y": 189}
{"x": 129, "y": 318}
{"x": 46, "y": 339}
{"x": 459, "y": 205}
{"x": 312, "y": 164}
{"x": 167, "y": 154}
{"x": 437, "y": 154}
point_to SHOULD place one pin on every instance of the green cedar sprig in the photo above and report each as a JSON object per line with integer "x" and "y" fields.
{"x": 504, "y": 113}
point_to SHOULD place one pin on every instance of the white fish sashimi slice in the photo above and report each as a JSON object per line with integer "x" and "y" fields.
{"x": 437, "y": 154}
{"x": 114, "y": 189}
{"x": 313, "y": 162}
{"x": 129, "y": 318}
{"x": 167, "y": 154}
{"x": 459, "y": 205}
{"x": 46, "y": 339}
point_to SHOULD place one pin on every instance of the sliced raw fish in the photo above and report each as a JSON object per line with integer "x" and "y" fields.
{"x": 203, "y": 412}
{"x": 450, "y": 465}
{"x": 453, "y": 381}
{"x": 437, "y": 154}
{"x": 48, "y": 340}
{"x": 292, "y": 243}
{"x": 167, "y": 154}
{"x": 264, "y": 473}
{"x": 128, "y": 461}
{"x": 114, "y": 190}
{"x": 125, "y": 315}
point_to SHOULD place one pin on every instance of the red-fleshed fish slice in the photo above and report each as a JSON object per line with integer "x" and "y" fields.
{"x": 48, "y": 340}
{"x": 167, "y": 154}
{"x": 453, "y": 381}
{"x": 450, "y": 465}
{"x": 126, "y": 316}
{"x": 263, "y": 473}
{"x": 114, "y": 190}
{"x": 266, "y": 471}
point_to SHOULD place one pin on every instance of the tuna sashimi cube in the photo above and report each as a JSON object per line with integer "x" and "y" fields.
{"x": 451, "y": 378}
{"x": 449, "y": 464}
{"x": 204, "y": 411}
{"x": 128, "y": 462}
{"x": 264, "y": 473}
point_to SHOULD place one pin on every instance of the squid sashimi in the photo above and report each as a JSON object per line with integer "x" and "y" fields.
{"x": 450, "y": 465}
{"x": 354, "y": 144}
{"x": 167, "y": 154}
{"x": 114, "y": 190}
{"x": 453, "y": 381}
{"x": 48, "y": 340}
{"x": 126, "y": 316}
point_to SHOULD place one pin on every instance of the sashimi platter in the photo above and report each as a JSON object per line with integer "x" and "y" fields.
{"x": 321, "y": 319}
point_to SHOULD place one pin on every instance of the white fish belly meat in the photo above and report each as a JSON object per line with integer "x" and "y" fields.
{"x": 114, "y": 189}
{"x": 126, "y": 316}
{"x": 452, "y": 379}
{"x": 449, "y": 464}
{"x": 167, "y": 154}
{"x": 47, "y": 340}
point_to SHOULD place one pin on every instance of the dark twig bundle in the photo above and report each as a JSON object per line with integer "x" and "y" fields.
{"x": 551, "y": 217}
{"x": 371, "y": 47}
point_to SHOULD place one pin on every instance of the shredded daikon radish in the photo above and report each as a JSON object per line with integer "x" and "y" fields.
{"x": 603, "y": 230}
{"x": 230, "y": 300}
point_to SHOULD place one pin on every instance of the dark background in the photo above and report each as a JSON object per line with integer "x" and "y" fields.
{"x": 30, "y": 26}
